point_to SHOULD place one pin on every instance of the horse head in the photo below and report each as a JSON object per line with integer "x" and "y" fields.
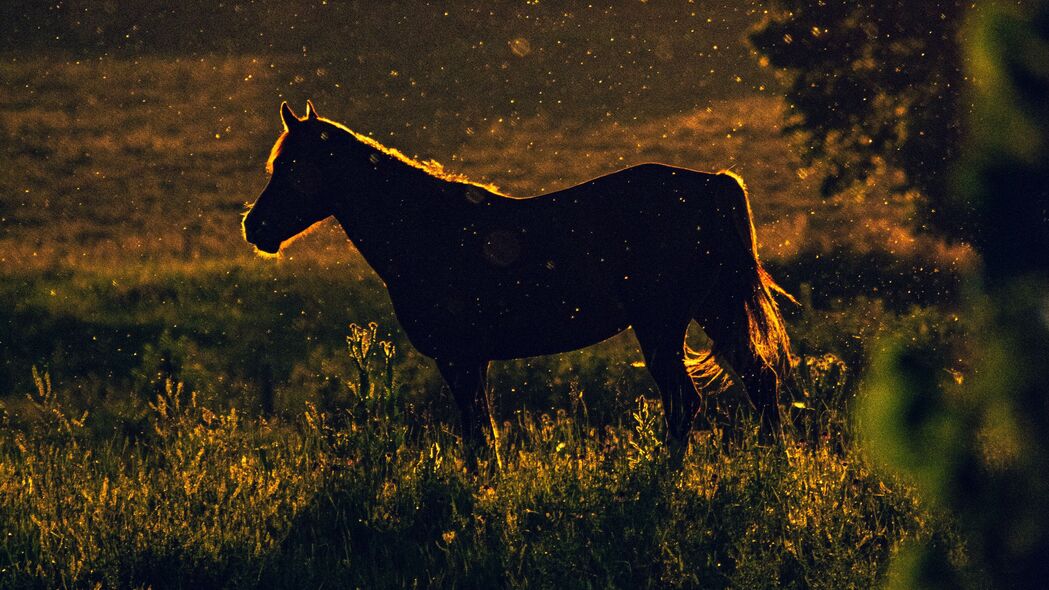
{"x": 301, "y": 186}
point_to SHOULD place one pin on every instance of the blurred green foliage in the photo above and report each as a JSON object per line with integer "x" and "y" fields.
{"x": 978, "y": 445}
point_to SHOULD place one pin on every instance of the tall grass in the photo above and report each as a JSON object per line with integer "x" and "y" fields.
{"x": 367, "y": 494}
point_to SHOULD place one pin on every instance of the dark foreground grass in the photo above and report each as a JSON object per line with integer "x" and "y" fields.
{"x": 370, "y": 495}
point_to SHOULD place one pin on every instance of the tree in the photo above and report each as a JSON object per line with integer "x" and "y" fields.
{"x": 981, "y": 448}
{"x": 873, "y": 83}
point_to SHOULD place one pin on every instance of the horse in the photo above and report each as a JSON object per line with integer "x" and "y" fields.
{"x": 477, "y": 276}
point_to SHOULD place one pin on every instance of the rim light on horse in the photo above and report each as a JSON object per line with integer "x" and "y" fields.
{"x": 476, "y": 276}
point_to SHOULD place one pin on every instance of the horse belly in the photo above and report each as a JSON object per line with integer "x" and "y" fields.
{"x": 511, "y": 316}
{"x": 568, "y": 323}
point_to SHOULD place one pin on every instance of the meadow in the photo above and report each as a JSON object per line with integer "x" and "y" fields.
{"x": 177, "y": 412}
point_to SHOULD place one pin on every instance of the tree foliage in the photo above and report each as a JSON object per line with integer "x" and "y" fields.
{"x": 980, "y": 448}
{"x": 874, "y": 84}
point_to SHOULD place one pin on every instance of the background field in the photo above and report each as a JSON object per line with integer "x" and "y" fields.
{"x": 130, "y": 153}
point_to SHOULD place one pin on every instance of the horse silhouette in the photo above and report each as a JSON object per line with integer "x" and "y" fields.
{"x": 476, "y": 276}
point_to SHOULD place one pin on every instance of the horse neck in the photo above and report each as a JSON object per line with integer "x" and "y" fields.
{"x": 382, "y": 202}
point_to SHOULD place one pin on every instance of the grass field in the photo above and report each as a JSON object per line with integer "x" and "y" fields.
{"x": 371, "y": 495}
{"x": 196, "y": 418}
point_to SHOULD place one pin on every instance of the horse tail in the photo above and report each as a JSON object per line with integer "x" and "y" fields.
{"x": 755, "y": 328}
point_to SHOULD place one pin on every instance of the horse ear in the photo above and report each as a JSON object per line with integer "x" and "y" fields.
{"x": 311, "y": 111}
{"x": 287, "y": 116}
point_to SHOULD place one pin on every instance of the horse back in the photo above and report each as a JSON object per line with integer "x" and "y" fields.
{"x": 522, "y": 277}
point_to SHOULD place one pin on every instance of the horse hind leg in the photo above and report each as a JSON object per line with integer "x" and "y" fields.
{"x": 664, "y": 352}
{"x": 749, "y": 372}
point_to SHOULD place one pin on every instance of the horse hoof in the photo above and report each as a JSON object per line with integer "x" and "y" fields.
{"x": 677, "y": 448}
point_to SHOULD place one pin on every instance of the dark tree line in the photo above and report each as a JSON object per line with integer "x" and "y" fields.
{"x": 875, "y": 82}
{"x": 889, "y": 81}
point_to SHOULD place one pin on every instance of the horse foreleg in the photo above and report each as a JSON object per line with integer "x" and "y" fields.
{"x": 468, "y": 381}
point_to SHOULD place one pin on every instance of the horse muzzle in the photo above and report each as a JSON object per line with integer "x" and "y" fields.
{"x": 269, "y": 247}
{"x": 255, "y": 237}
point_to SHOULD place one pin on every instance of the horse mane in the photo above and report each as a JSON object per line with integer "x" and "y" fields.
{"x": 277, "y": 148}
{"x": 431, "y": 167}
